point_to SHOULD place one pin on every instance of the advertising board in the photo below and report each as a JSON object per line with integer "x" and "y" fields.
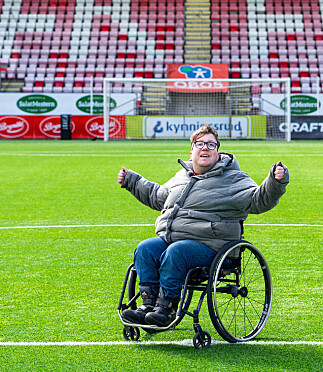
{"x": 197, "y": 71}
{"x": 67, "y": 103}
{"x": 164, "y": 127}
{"x": 179, "y": 126}
{"x": 301, "y": 104}
{"x": 41, "y": 127}
{"x": 304, "y": 127}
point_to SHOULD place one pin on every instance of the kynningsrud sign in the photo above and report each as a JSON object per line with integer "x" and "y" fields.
{"x": 300, "y": 104}
{"x": 179, "y": 126}
{"x": 67, "y": 103}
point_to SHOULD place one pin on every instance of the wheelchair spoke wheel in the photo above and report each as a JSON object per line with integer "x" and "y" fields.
{"x": 202, "y": 340}
{"x": 240, "y": 297}
{"x": 131, "y": 333}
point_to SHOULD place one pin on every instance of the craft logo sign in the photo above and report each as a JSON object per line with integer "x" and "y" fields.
{"x": 198, "y": 71}
{"x": 304, "y": 127}
{"x": 51, "y": 126}
{"x": 84, "y": 104}
{"x": 13, "y": 127}
{"x": 37, "y": 104}
{"x": 95, "y": 127}
{"x": 301, "y": 104}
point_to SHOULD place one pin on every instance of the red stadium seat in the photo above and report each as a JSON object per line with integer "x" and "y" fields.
{"x": 286, "y": 36}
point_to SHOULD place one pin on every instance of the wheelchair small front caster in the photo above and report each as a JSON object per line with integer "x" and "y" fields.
{"x": 131, "y": 333}
{"x": 201, "y": 340}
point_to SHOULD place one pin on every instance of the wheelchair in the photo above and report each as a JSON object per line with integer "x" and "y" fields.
{"x": 238, "y": 292}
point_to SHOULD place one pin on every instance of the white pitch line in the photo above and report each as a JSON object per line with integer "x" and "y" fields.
{"x": 147, "y": 225}
{"x": 73, "y": 226}
{"x": 143, "y": 154}
{"x": 283, "y": 224}
{"x": 188, "y": 342}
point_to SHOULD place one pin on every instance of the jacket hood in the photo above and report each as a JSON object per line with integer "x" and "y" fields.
{"x": 225, "y": 162}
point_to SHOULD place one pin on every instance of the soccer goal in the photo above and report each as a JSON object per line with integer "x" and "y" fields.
{"x": 175, "y": 108}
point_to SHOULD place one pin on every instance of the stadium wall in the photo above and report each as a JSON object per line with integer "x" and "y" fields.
{"x": 37, "y": 116}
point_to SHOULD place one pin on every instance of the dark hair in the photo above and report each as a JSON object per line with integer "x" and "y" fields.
{"x": 205, "y": 129}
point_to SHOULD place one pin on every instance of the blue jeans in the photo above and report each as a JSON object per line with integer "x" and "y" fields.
{"x": 160, "y": 264}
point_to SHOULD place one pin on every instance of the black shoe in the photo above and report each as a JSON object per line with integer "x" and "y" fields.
{"x": 161, "y": 316}
{"x": 148, "y": 301}
{"x": 164, "y": 313}
{"x": 137, "y": 316}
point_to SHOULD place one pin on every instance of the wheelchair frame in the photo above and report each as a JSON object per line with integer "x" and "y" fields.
{"x": 239, "y": 292}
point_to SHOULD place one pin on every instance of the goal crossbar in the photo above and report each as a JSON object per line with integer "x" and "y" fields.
{"x": 194, "y": 92}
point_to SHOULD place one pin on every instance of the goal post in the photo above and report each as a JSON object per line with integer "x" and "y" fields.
{"x": 175, "y": 108}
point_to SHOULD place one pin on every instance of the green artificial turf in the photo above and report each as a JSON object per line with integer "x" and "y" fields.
{"x": 62, "y": 282}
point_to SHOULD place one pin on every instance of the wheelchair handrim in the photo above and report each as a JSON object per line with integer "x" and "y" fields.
{"x": 223, "y": 328}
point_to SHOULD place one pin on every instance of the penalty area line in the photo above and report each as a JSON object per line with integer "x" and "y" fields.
{"x": 188, "y": 342}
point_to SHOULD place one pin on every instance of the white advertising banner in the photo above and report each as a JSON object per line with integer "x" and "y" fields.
{"x": 179, "y": 126}
{"x": 69, "y": 103}
{"x": 300, "y": 104}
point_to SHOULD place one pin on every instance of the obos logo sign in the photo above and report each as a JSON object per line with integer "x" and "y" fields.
{"x": 51, "y": 126}
{"x": 95, "y": 127}
{"x": 186, "y": 74}
{"x": 13, "y": 127}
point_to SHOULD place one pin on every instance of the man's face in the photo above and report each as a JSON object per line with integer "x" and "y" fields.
{"x": 204, "y": 159}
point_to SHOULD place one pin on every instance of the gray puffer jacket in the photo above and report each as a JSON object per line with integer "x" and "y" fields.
{"x": 209, "y": 207}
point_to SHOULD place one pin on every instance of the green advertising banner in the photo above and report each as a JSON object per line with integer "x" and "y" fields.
{"x": 164, "y": 127}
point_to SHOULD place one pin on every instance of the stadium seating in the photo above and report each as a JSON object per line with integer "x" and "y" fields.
{"x": 65, "y": 45}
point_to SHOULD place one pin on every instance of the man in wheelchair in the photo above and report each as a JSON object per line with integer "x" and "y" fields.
{"x": 201, "y": 210}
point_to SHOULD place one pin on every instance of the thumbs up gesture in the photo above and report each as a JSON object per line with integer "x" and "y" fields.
{"x": 121, "y": 174}
{"x": 279, "y": 171}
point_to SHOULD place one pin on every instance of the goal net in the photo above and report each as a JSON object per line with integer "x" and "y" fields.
{"x": 175, "y": 108}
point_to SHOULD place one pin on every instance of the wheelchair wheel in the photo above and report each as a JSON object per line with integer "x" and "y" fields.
{"x": 131, "y": 333}
{"x": 133, "y": 288}
{"x": 239, "y": 296}
{"x": 202, "y": 340}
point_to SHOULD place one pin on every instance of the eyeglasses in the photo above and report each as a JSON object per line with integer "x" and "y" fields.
{"x": 209, "y": 145}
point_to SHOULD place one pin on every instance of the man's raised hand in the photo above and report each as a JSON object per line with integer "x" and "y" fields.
{"x": 121, "y": 174}
{"x": 279, "y": 171}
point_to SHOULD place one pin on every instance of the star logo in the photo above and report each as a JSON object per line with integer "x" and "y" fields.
{"x": 144, "y": 294}
{"x": 196, "y": 72}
